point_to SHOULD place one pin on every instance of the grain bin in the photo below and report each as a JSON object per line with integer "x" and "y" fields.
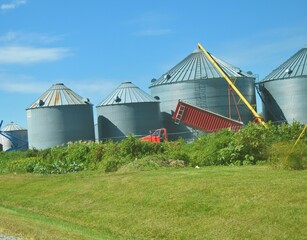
{"x": 195, "y": 80}
{"x": 128, "y": 109}
{"x": 59, "y": 116}
{"x": 284, "y": 90}
{"x": 13, "y": 137}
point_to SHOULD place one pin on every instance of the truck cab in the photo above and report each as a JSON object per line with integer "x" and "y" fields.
{"x": 158, "y": 135}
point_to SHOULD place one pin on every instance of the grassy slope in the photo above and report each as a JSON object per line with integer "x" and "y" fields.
{"x": 253, "y": 202}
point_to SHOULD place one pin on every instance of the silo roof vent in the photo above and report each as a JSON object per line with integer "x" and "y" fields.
{"x": 58, "y": 95}
{"x": 294, "y": 67}
{"x": 198, "y": 66}
{"x": 127, "y": 93}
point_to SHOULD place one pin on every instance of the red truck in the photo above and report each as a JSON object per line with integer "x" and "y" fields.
{"x": 158, "y": 135}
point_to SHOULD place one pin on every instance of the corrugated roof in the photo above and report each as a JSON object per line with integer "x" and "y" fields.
{"x": 59, "y": 95}
{"x": 295, "y": 66}
{"x": 127, "y": 93}
{"x": 198, "y": 66}
{"x": 12, "y": 127}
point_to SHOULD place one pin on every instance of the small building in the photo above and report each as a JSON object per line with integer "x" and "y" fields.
{"x": 127, "y": 110}
{"x": 59, "y": 116}
{"x": 284, "y": 90}
{"x": 14, "y": 137}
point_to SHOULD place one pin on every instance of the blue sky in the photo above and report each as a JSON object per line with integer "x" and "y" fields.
{"x": 93, "y": 46}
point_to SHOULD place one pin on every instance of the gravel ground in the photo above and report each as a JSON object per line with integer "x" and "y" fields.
{"x": 5, "y": 237}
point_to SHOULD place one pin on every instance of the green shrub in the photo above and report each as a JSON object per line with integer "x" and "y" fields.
{"x": 178, "y": 150}
{"x": 112, "y": 165}
{"x": 208, "y": 150}
{"x": 21, "y": 165}
{"x": 285, "y": 155}
{"x": 253, "y": 144}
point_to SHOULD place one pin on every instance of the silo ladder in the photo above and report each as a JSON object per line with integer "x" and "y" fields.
{"x": 179, "y": 114}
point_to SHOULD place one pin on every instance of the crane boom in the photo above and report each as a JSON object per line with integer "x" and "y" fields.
{"x": 256, "y": 115}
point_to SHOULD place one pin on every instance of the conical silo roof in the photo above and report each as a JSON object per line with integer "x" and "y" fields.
{"x": 59, "y": 95}
{"x": 295, "y": 66}
{"x": 127, "y": 93}
{"x": 12, "y": 127}
{"x": 198, "y": 66}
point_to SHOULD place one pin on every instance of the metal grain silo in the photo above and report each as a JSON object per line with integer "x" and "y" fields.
{"x": 284, "y": 90}
{"x": 126, "y": 110}
{"x": 14, "y": 137}
{"x": 59, "y": 116}
{"x": 197, "y": 81}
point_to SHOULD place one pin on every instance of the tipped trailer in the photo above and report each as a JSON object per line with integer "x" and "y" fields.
{"x": 202, "y": 119}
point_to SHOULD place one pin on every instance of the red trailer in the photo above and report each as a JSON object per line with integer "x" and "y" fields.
{"x": 202, "y": 119}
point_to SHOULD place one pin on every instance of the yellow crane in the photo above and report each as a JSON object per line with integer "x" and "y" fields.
{"x": 221, "y": 71}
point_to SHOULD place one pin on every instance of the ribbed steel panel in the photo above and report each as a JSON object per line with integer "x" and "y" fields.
{"x": 285, "y": 100}
{"x": 284, "y": 90}
{"x": 54, "y": 126}
{"x": 127, "y": 92}
{"x": 12, "y": 127}
{"x": 58, "y": 95}
{"x": 118, "y": 121}
{"x": 295, "y": 66}
{"x": 202, "y": 119}
{"x": 198, "y": 66}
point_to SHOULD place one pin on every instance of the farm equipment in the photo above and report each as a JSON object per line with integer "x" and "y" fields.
{"x": 206, "y": 120}
{"x": 257, "y": 117}
{"x": 202, "y": 119}
{"x": 158, "y": 135}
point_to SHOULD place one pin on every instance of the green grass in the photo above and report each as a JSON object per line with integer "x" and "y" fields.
{"x": 250, "y": 202}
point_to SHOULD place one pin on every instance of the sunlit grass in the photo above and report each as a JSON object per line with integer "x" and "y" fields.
{"x": 251, "y": 202}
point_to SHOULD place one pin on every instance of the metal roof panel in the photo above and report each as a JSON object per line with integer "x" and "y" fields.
{"x": 127, "y": 93}
{"x": 59, "y": 95}
{"x": 12, "y": 127}
{"x": 295, "y": 66}
{"x": 197, "y": 66}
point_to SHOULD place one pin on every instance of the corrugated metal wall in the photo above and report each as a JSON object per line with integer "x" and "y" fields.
{"x": 284, "y": 90}
{"x": 285, "y": 100}
{"x": 53, "y": 126}
{"x": 117, "y": 121}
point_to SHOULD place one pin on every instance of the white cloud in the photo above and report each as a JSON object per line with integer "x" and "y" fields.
{"x": 21, "y": 84}
{"x": 13, "y": 4}
{"x": 28, "y": 55}
{"x": 154, "y": 32}
{"x": 20, "y": 37}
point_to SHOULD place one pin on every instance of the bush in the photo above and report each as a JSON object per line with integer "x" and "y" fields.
{"x": 251, "y": 145}
{"x": 178, "y": 150}
{"x": 284, "y": 155}
{"x": 209, "y": 150}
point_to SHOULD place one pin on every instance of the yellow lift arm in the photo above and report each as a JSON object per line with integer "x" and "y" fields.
{"x": 256, "y": 115}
